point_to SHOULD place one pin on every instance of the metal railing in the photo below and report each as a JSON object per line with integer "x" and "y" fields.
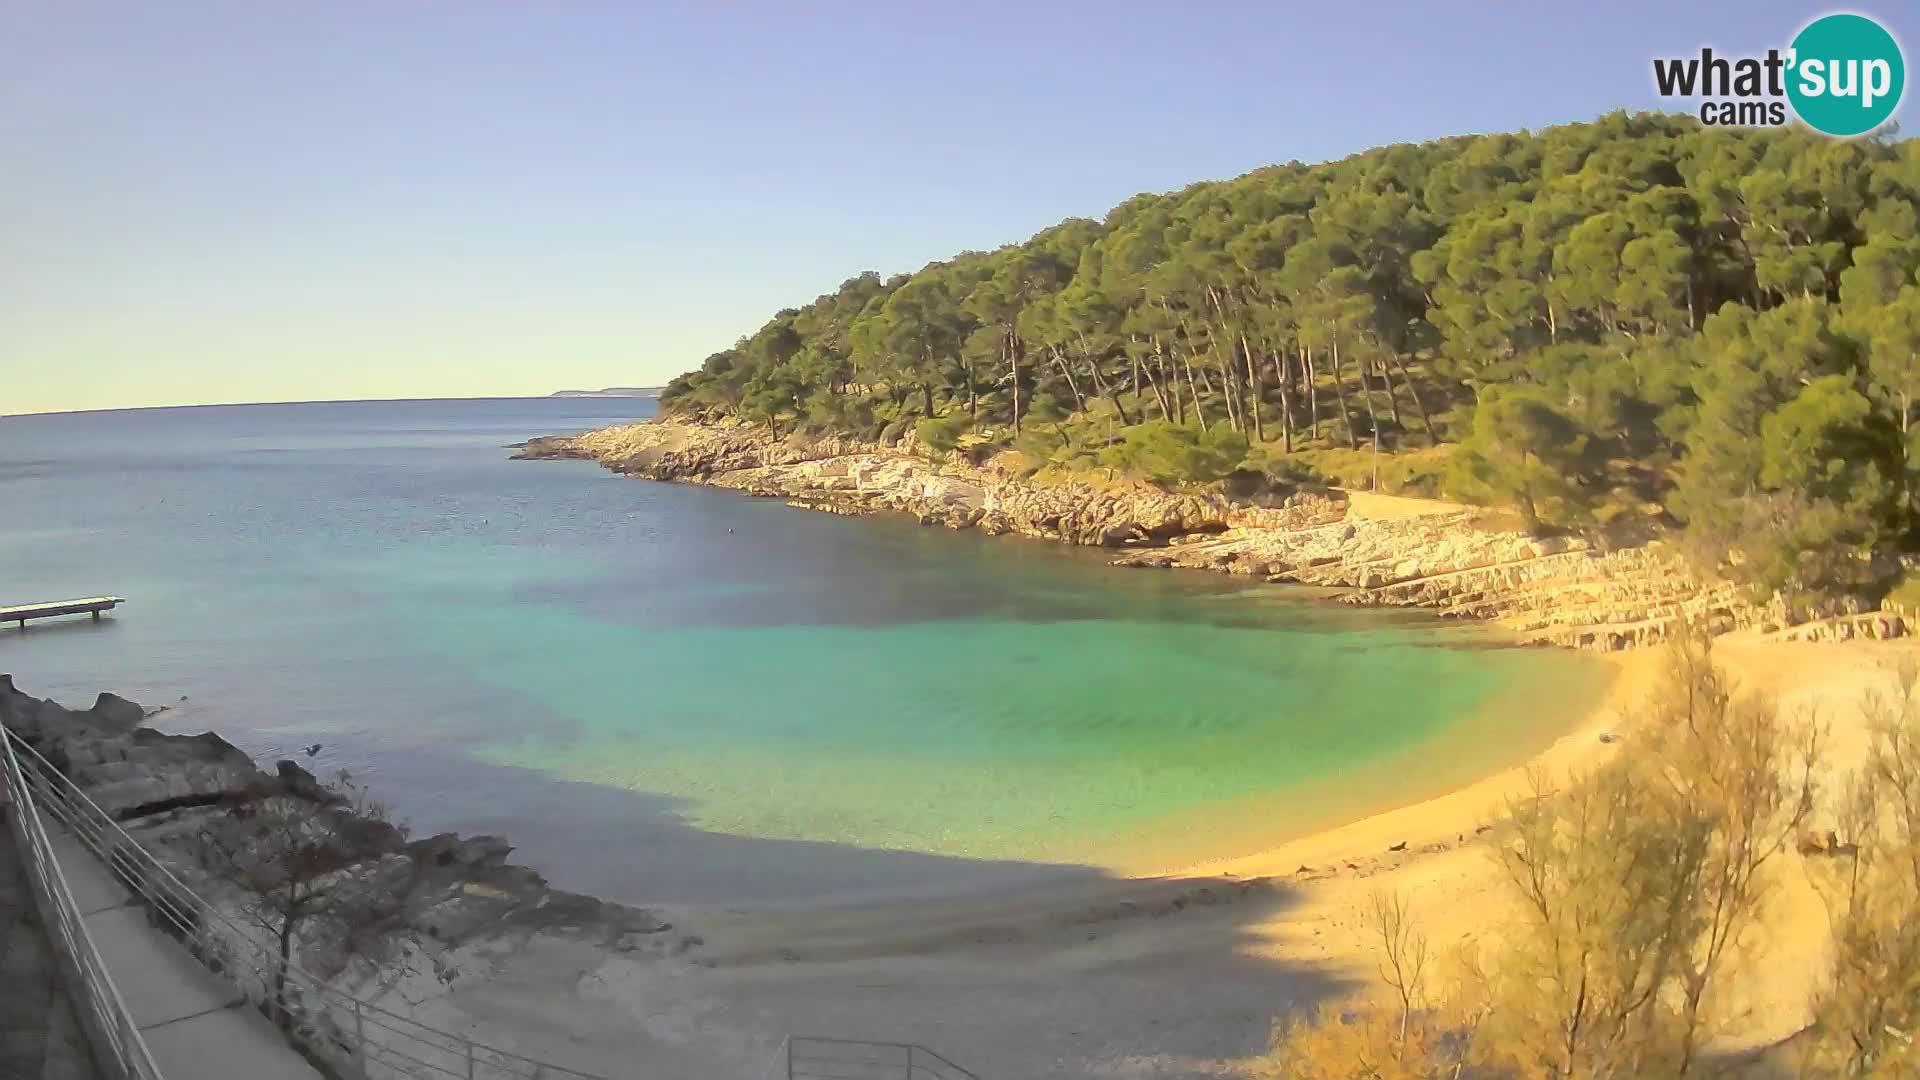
{"x": 115, "y": 1039}
{"x": 810, "y": 1058}
{"x": 353, "y": 1037}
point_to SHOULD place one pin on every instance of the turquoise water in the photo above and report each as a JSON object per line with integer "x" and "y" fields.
{"x": 674, "y": 694}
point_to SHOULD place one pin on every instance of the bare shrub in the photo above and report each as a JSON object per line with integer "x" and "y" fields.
{"x": 1633, "y": 889}
{"x": 309, "y": 861}
{"x": 1868, "y": 1015}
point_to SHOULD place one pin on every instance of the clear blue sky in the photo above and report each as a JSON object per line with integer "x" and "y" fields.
{"x": 240, "y": 201}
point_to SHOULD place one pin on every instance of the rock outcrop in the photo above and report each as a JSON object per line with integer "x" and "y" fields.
{"x": 455, "y": 899}
{"x": 848, "y": 475}
{"x": 1455, "y": 561}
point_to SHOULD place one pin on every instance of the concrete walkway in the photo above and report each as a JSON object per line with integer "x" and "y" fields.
{"x": 194, "y": 1022}
{"x": 40, "y": 1039}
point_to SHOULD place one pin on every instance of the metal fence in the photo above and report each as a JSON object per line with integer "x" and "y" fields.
{"x": 117, "y": 1046}
{"x": 853, "y": 1059}
{"x": 352, "y": 1037}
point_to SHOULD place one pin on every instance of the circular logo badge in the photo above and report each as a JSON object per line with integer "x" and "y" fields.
{"x": 1847, "y": 75}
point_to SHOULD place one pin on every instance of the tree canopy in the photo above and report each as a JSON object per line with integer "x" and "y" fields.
{"x": 1714, "y": 329}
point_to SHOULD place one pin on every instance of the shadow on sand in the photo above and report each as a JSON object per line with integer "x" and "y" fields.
{"x": 1014, "y": 968}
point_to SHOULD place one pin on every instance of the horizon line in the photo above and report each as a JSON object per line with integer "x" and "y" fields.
{"x": 558, "y": 394}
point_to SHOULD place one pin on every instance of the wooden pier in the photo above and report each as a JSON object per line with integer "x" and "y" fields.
{"x": 92, "y": 605}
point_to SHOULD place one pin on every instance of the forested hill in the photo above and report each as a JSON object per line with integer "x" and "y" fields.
{"x": 1636, "y": 323}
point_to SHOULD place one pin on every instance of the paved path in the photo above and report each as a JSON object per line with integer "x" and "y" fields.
{"x": 39, "y": 1036}
{"x": 195, "y": 1023}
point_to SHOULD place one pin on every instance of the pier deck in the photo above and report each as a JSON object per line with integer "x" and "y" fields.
{"x": 92, "y": 605}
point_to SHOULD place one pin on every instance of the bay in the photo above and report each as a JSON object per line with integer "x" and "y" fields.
{"x": 664, "y": 693}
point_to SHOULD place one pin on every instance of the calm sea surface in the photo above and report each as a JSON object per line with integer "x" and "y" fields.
{"x": 664, "y": 693}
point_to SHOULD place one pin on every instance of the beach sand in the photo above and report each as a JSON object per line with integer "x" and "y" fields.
{"x": 1182, "y": 974}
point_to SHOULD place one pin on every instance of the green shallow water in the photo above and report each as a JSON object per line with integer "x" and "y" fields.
{"x": 668, "y": 693}
{"x": 992, "y": 738}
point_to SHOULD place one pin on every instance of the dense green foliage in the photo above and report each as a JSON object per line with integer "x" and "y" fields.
{"x": 1634, "y": 320}
{"x": 1168, "y": 453}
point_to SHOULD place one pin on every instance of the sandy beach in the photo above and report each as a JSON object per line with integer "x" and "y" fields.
{"x": 1182, "y": 974}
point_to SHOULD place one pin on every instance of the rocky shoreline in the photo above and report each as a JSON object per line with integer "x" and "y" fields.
{"x": 1457, "y": 562}
{"x": 457, "y": 906}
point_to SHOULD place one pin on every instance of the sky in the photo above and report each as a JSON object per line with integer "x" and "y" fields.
{"x": 233, "y": 201}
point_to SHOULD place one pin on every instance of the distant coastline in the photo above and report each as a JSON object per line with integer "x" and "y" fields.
{"x": 612, "y": 391}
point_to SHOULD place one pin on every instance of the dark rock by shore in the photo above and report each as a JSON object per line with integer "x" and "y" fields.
{"x": 167, "y": 790}
{"x": 549, "y": 446}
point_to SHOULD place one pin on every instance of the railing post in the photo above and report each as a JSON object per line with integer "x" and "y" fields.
{"x": 360, "y": 1038}
{"x": 469, "y": 1059}
{"x": 789, "y": 1057}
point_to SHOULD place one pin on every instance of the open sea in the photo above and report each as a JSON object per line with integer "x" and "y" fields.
{"x": 669, "y": 694}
